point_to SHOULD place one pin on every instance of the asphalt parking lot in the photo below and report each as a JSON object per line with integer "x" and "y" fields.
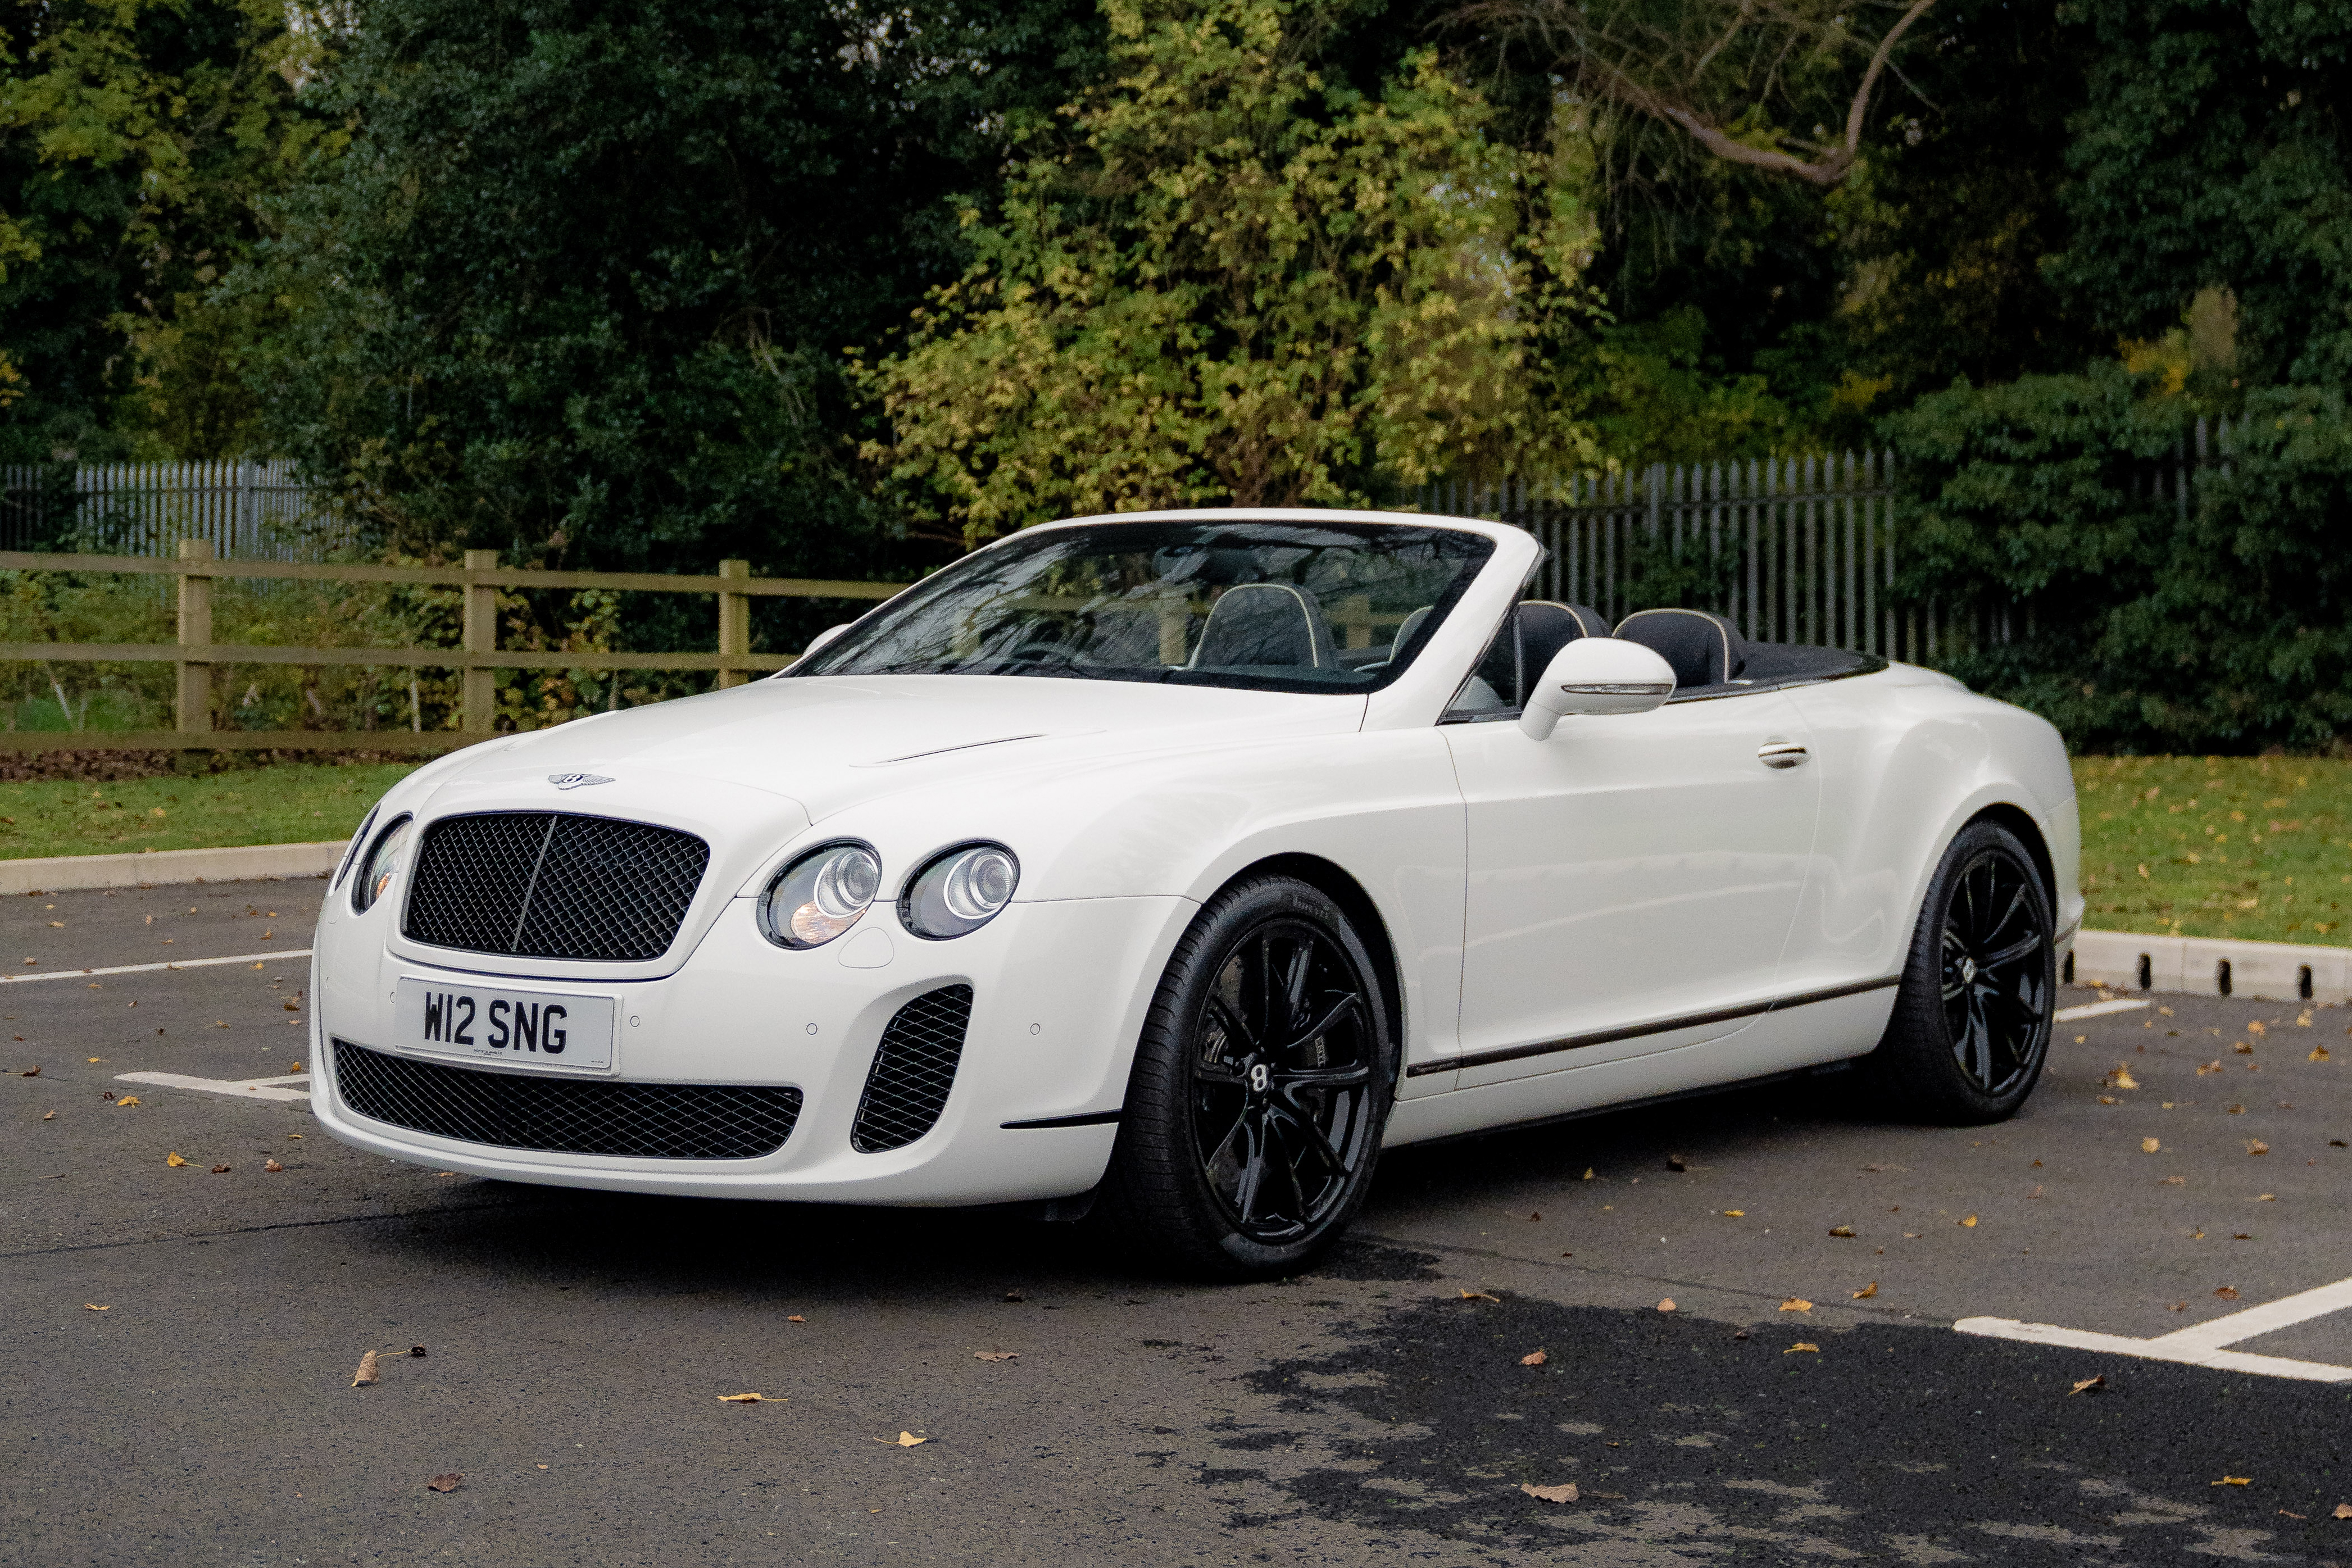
{"x": 1496, "y": 1323}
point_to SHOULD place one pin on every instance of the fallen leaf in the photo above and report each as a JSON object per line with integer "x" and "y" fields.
{"x": 2236, "y": 1110}
{"x": 796, "y": 1318}
{"x": 30, "y": 1073}
{"x": 2035, "y": 1193}
{"x": 1842, "y": 1230}
{"x": 2228, "y": 1293}
{"x": 1802, "y": 1345}
{"x": 1481, "y": 1296}
{"x": 2258, "y": 1027}
{"x": 996, "y": 1356}
{"x": 1666, "y": 1305}
{"x": 1796, "y": 1304}
{"x": 1566, "y": 1493}
{"x": 2149, "y": 1145}
{"x": 1866, "y": 1291}
{"x": 1588, "y": 1170}
{"x": 271, "y": 1165}
{"x": 2267, "y": 1198}
{"x": 172, "y": 1159}
{"x": 2241, "y": 1236}
{"x": 2173, "y": 1181}
{"x": 2098, "y": 1382}
{"x": 417, "y": 1350}
{"x": 1537, "y": 1214}
{"x": 2121, "y": 1077}
{"x": 1735, "y": 1214}
{"x": 1677, "y": 1163}
{"x": 2233, "y": 1482}
{"x": 908, "y": 1440}
{"x": 1881, "y": 1170}
{"x": 2256, "y": 1146}
{"x": 1015, "y": 1296}
{"x": 2214, "y": 1066}
{"x": 48, "y": 1115}
{"x": 366, "y": 1373}
{"x": 1969, "y": 1223}
{"x": 742, "y": 1398}
{"x": 220, "y": 1170}
{"x": 2342, "y": 1511}
{"x": 2286, "y": 1515}
{"x": 126, "y": 1100}
{"x": 1534, "y": 1358}
{"x": 445, "y": 1483}
{"x": 94, "y": 1307}
{"x": 2318, "y": 1054}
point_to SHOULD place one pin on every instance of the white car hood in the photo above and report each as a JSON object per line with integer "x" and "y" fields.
{"x": 830, "y": 742}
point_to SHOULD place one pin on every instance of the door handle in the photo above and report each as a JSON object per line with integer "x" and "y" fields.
{"x": 1782, "y": 754}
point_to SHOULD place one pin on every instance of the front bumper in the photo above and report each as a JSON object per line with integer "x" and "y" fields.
{"x": 1059, "y": 992}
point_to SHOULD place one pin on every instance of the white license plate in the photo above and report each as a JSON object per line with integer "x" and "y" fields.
{"x": 536, "y": 1029}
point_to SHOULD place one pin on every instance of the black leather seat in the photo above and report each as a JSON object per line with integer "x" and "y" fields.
{"x": 1704, "y": 650}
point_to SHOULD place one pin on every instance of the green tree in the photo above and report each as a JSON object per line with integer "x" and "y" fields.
{"x": 1239, "y": 277}
{"x": 577, "y": 287}
{"x": 2214, "y": 153}
{"x": 137, "y": 140}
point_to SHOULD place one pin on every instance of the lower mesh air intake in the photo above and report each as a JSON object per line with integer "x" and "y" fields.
{"x": 565, "y": 1115}
{"x": 914, "y": 1068}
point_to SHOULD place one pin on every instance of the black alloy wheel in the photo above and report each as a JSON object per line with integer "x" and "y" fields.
{"x": 1996, "y": 995}
{"x": 1970, "y": 1027}
{"x": 1281, "y": 1080}
{"x": 1261, "y": 1086}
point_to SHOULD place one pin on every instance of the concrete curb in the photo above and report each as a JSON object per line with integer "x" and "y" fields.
{"x": 71, "y": 873}
{"x": 2213, "y": 966}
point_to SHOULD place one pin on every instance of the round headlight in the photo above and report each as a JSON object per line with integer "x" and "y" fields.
{"x": 961, "y": 891}
{"x": 382, "y": 866}
{"x": 820, "y": 895}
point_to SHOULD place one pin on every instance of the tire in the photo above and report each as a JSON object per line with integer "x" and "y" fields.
{"x": 1262, "y": 1083}
{"x": 1972, "y": 1025}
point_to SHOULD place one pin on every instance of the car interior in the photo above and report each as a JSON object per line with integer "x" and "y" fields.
{"x": 1709, "y": 655}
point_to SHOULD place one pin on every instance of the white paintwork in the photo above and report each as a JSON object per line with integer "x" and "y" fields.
{"x": 1596, "y": 677}
{"x": 1628, "y": 869}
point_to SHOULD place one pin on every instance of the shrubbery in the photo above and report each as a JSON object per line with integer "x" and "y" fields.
{"x": 2139, "y": 620}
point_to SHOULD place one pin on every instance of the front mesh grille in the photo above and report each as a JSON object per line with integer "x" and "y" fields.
{"x": 566, "y": 1116}
{"x": 914, "y": 1068}
{"x": 549, "y": 885}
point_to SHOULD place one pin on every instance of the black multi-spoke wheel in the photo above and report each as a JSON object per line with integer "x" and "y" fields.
{"x": 1261, "y": 1083}
{"x": 1971, "y": 1022}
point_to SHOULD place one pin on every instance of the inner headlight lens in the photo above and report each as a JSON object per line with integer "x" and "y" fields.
{"x": 961, "y": 891}
{"x": 381, "y": 867}
{"x": 821, "y": 895}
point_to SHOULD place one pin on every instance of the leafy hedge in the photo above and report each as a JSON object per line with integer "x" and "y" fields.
{"x": 2220, "y": 625}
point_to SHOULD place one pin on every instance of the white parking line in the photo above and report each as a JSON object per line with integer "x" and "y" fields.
{"x": 244, "y": 1089}
{"x": 145, "y": 968}
{"x": 2201, "y": 1344}
{"x": 2096, "y": 1009}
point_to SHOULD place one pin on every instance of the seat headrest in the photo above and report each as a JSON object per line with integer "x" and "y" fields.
{"x": 1704, "y": 650}
{"x": 1544, "y": 628}
{"x": 1265, "y": 625}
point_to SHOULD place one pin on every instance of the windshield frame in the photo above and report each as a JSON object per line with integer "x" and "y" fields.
{"x": 1479, "y": 552}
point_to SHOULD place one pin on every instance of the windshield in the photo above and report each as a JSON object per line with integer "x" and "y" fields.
{"x": 1283, "y": 606}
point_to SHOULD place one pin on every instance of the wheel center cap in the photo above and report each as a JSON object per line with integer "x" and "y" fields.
{"x": 1259, "y": 1078}
{"x": 1968, "y": 970}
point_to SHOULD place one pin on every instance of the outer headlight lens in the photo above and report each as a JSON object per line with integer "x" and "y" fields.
{"x": 820, "y": 895}
{"x": 382, "y": 866}
{"x": 961, "y": 891}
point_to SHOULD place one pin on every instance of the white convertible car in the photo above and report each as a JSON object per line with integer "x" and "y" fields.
{"x": 1171, "y": 866}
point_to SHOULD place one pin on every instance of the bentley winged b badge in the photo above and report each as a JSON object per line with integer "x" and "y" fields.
{"x": 574, "y": 780}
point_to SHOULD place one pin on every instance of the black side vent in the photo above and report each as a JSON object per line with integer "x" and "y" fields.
{"x": 550, "y": 885}
{"x": 914, "y": 1068}
{"x": 566, "y": 1115}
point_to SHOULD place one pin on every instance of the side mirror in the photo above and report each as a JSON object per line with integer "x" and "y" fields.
{"x": 1596, "y": 676}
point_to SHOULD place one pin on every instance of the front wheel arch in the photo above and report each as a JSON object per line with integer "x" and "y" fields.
{"x": 1336, "y": 884}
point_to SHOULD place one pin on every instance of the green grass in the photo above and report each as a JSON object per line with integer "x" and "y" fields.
{"x": 2258, "y": 847}
{"x": 279, "y": 805}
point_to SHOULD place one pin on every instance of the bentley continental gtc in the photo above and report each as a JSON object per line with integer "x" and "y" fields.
{"x": 1166, "y": 867}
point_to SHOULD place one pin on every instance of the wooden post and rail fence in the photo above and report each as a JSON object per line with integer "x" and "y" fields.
{"x": 478, "y": 656}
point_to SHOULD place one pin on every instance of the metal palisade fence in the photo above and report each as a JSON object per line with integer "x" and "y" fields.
{"x": 1789, "y": 550}
{"x": 247, "y": 511}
